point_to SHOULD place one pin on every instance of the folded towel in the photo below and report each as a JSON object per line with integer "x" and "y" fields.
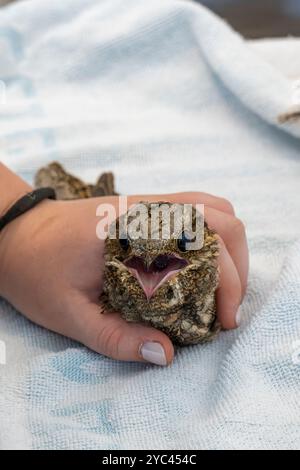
{"x": 167, "y": 96}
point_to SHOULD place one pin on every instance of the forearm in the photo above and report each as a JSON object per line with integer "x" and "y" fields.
{"x": 12, "y": 187}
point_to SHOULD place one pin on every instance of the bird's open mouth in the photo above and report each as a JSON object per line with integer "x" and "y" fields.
{"x": 151, "y": 277}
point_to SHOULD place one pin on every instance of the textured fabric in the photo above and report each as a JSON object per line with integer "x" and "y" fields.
{"x": 167, "y": 96}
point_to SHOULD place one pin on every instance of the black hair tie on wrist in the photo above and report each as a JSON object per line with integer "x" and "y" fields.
{"x": 26, "y": 203}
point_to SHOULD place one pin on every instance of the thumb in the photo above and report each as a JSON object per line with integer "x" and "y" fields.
{"x": 109, "y": 334}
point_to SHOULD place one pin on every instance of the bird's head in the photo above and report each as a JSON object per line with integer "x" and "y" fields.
{"x": 153, "y": 255}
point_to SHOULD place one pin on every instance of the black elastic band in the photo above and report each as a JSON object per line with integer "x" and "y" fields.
{"x": 26, "y": 203}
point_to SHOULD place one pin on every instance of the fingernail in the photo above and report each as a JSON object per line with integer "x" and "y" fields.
{"x": 153, "y": 352}
{"x": 239, "y": 317}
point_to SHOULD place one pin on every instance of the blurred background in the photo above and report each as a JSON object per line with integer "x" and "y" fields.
{"x": 254, "y": 18}
{"x": 259, "y": 18}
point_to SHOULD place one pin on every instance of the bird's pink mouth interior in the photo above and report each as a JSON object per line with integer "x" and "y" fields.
{"x": 160, "y": 270}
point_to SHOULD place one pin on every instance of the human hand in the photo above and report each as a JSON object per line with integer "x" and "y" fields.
{"x": 51, "y": 270}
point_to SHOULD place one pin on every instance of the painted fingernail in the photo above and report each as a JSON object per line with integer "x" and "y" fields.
{"x": 239, "y": 317}
{"x": 153, "y": 352}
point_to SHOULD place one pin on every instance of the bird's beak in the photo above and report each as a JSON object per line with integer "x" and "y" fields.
{"x": 151, "y": 274}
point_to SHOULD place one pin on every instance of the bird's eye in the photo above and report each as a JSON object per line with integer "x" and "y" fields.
{"x": 183, "y": 242}
{"x": 124, "y": 243}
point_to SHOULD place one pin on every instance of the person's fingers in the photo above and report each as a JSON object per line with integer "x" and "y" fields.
{"x": 219, "y": 214}
{"x": 229, "y": 292}
{"x": 232, "y": 232}
{"x": 195, "y": 197}
{"x": 111, "y": 335}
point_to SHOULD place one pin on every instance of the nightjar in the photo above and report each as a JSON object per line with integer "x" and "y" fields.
{"x": 151, "y": 279}
{"x": 163, "y": 283}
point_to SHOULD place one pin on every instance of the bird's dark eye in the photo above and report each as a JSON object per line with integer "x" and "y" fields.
{"x": 183, "y": 242}
{"x": 124, "y": 243}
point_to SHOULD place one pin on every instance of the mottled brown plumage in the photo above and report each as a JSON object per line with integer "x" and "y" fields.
{"x": 184, "y": 305}
{"x": 69, "y": 187}
{"x": 151, "y": 280}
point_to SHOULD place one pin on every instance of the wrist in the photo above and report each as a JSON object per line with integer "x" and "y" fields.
{"x": 19, "y": 241}
{"x": 12, "y": 189}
